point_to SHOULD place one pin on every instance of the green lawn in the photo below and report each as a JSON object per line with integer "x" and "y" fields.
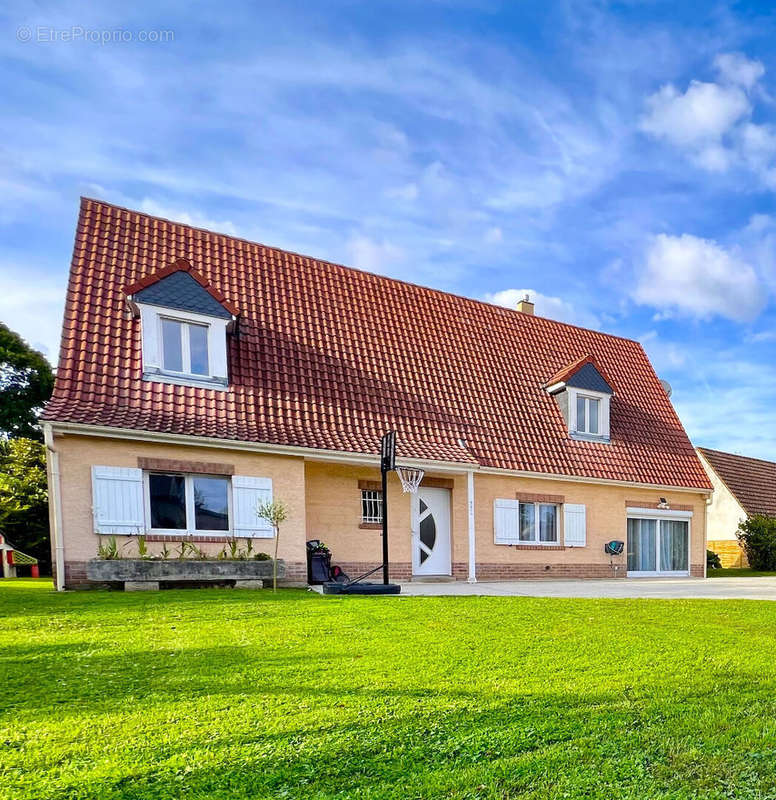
{"x": 739, "y": 572}
{"x": 236, "y": 694}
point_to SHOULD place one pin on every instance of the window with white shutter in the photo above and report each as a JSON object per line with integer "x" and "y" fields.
{"x": 574, "y": 525}
{"x": 117, "y": 500}
{"x": 505, "y": 521}
{"x": 248, "y": 494}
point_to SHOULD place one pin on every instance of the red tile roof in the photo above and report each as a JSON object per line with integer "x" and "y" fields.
{"x": 751, "y": 480}
{"x": 330, "y": 357}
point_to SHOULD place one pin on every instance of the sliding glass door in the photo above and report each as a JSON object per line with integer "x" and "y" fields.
{"x": 658, "y": 546}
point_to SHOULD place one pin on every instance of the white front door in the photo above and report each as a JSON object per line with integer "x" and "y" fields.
{"x": 431, "y": 532}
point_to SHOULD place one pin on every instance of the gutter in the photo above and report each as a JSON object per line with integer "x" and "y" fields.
{"x": 55, "y": 506}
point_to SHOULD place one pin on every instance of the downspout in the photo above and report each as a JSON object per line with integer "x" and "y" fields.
{"x": 472, "y": 550}
{"x": 55, "y": 507}
{"x": 706, "y": 507}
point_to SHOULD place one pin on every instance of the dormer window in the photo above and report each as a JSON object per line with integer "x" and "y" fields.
{"x": 184, "y": 323}
{"x": 583, "y": 394}
{"x": 184, "y": 347}
{"x": 588, "y": 415}
{"x": 592, "y": 413}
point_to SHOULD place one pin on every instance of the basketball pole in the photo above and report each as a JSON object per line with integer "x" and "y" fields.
{"x": 384, "y": 476}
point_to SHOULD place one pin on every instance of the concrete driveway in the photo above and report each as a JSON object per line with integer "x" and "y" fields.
{"x": 667, "y": 588}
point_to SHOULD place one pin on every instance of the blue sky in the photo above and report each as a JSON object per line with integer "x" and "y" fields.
{"x": 617, "y": 160}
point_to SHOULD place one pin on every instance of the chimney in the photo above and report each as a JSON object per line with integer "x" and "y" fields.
{"x": 526, "y": 306}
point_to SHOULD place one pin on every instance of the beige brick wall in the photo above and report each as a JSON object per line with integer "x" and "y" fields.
{"x": 324, "y": 501}
{"x": 79, "y": 453}
{"x": 606, "y": 519}
{"x": 333, "y": 515}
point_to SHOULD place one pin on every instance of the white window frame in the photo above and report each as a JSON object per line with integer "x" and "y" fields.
{"x": 536, "y": 541}
{"x": 661, "y": 515}
{"x": 374, "y": 519}
{"x": 190, "y": 529}
{"x": 186, "y": 326}
{"x": 603, "y": 414}
{"x": 153, "y": 351}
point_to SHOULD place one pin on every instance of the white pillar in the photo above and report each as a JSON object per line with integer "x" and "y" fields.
{"x": 472, "y": 549}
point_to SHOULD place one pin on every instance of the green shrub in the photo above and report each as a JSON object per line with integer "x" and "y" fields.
{"x": 712, "y": 560}
{"x": 757, "y": 535}
{"x": 262, "y": 557}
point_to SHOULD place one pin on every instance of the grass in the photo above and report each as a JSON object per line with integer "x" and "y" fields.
{"x": 239, "y": 694}
{"x": 739, "y": 572}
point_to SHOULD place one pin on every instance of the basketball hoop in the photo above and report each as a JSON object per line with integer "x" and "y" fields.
{"x": 410, "y": 478}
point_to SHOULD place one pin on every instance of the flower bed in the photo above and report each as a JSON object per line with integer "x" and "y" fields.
{"x": 133, "y": 570}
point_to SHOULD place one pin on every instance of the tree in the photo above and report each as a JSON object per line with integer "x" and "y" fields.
{"x": 757, "y": 535}
{"x": 275, "y": 513}
{"x": 26, "y": 383}
{"x": 24, "y": 517}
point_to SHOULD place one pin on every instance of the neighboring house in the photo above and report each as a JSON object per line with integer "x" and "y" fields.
{"x": 743, "y": 487}
{"x": 200, "y": 374}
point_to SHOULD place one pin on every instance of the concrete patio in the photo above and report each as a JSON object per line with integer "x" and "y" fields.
{"x": 666, "y": 588}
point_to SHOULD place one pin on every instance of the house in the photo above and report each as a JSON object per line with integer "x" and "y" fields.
{"x": 743, "y": 487}
{"x": 201, "y": 373}
{"x": 11, "y": 558}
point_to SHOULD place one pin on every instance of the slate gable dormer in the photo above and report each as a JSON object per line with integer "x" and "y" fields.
{"x": 184, "y": 324}
{"x": 180, "y": 291}
{"x": 583, "y": 395}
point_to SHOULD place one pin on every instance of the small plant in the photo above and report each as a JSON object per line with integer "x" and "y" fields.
{"x": 183, "y": 549}
{"x": 234, "y": 547}
{"x": 109, "y": 551}
{"x": 712, "y": 560}
{"x": 274, "y": 512}
{"x": 262, "y": 557}
{"x": 165, "y": 552}
{"x": 247, "y": 554}
{"x": 222, "y": 554}
{"x": 142, "y": 547}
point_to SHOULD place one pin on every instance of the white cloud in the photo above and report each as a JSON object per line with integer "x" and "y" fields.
{"x": 698, "y": 277}
{"x": 493, "y": 236}
{"x": 546, "y": 306}
{"x": 738, "y": 69}
{"x": 32, "y": 305}
{"x": 194, "y": 218}
{"x": 407, "y": 192}
{"x": 371, "y": 255}
{"x": 699, "y": 116}
{"x": 664, "y": 355}
{"x": 711, "y": 121}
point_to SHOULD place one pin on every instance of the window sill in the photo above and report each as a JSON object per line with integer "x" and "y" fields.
{"x": 370, "y": 526}
{"x": 207, "y": 538}
{"x": 589, "y": 437}
{"x": 219, "y": 384}
{"x": 548, "y": 546}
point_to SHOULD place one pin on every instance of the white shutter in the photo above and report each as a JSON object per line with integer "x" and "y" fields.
{"x": 574, "y": 525}
{"x": 247, "y": 495}
{"x": 505, "y": 521}
{"x": 117, "y": 500}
